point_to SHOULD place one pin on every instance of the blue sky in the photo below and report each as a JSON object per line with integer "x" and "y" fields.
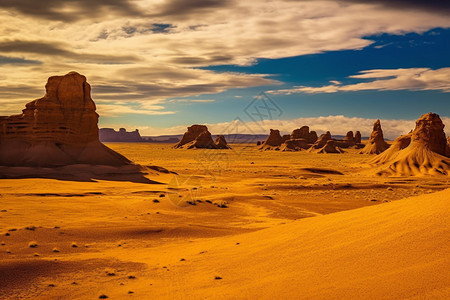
{"x": 160, "y": 66}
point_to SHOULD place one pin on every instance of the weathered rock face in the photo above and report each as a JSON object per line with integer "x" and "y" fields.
{"x": 419, "y": 153}
{"x": 330, "y": 147}
{"x": 191, "y": 134}
{"x": 376, "y": 143}
{"x": 221, "y": 143}
{"x": 349, "y": 137}
{"x": 358, "y": 137}
{"x": 429, "y": 132}
{"x": 294, "y": 145}
{"x": 274, "y": 140}
{"x": 198, "y": 136}
{"x": 66, "y": 114}
{"x": 321, "y": 142}
{"x": 303, "y": 133}
{"x": 56, "y": 130}
{"x": 203, "y": 140}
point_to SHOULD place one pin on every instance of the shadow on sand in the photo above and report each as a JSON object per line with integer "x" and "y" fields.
{"x": 81, "y": 172}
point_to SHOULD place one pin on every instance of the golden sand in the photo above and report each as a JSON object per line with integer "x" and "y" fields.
{"x": 233, "y": 224}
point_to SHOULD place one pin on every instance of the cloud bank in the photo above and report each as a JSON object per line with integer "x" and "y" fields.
{"x": 151, "y": 51}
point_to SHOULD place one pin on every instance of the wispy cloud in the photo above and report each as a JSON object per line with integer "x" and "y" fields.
{"x": 415, "y": 79}
{"x": 105, "y": 109}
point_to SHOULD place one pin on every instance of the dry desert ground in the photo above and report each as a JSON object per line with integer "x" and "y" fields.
{"x": 227, "y": 224}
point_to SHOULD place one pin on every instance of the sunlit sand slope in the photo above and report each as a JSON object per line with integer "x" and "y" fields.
{"x": 391, "y": 251}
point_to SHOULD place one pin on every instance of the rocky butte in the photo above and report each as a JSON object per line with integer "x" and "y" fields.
{"x": 58, "y": 129}
{"x": 419, "y": 153}
{"x": 110, "y": 135}
{"x": 198, "y": 136}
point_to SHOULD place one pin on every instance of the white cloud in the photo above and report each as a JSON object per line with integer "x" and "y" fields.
{"x": 384, "y": 79}
{"x": 126, "y": 60}
{"x": 117, "y": 109}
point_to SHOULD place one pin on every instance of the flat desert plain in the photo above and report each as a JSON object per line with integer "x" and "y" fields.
{"x": 228, "y": 224}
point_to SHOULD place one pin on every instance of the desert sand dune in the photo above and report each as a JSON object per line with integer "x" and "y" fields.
{"x": 394, "y": 250}
{"x": 174, "y": 239}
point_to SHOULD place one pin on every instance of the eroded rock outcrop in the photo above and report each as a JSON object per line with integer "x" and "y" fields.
{"x": 376, "y": 143}
{"x": 191, "y": 134}
{"x": 419, "y": 153}
{"x": 294, "y": 145}
{"x": 58, "y": 129}
{"x": 330, "y": 147}
{"x": 321, "y": 142}
{"x": 221, "y": 143}
{"x": 198, "y": 136}
{"x": 299, "y": 139}
{"x": 304, "y": 133}
{"x": 358, "y": 137}
{"x": 273, "y": 141}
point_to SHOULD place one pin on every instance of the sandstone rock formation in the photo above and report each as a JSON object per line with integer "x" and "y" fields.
{"x": 198, "y": 136}
{"x": 273, "y": 141}
{"x": 376, "y": 143}
{"x": 321, "y": 142}
{"x": 294, "y": 145}
{"x": 304, "y": 133}
{"x": 191, "y": 134}
{"x": 203, "y": 140}
{"x": 350, "y": 141}
{"x": 221, "y": 143}
{"x": 358, "y": 137}
{"x": 330, "y": 147}
{"x": 299, "y": 139}
{"x": 424, "y": 155}
{"x": 58, "y": 129}
{"x": 349, "y": 138}
{"x": 110, "y": 135}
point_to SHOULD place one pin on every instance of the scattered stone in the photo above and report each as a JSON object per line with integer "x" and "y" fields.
{"x": 32, "y": 244}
